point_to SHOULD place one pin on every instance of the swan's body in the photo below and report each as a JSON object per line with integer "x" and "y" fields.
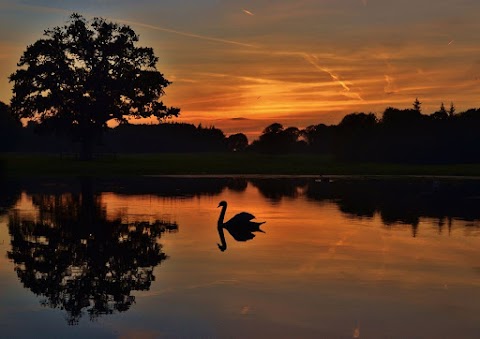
{"x": 241, "y": 226}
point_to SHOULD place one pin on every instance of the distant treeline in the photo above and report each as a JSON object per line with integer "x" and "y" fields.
{"x": 400, "y": 135}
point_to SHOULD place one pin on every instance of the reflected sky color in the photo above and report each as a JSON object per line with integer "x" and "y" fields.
{"x": 294, "y": 62}
{"x": 315, "y": 272}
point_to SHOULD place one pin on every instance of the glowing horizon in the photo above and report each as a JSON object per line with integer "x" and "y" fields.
{"x": 297, "y": 63}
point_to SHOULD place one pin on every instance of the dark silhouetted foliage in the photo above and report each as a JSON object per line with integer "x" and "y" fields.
{"x": 167, "y": 137}
{"x": 398, "y": 136}
{"x": 275, "y": 139}
{"x": 401, "y": 135}
{"x": 84, "y": 74}
{"x": 319, "y": 138}
{"x": 417, "y": 105}
{"x": 354, "y": 137}
{"x": 80, "y": 261}
{"x": 237, "y": 142}
{"x": 10, "y": 129}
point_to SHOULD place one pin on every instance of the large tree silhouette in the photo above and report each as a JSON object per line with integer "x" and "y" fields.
{"x": 78, "y": 260}
{"x": 85, "y": 73}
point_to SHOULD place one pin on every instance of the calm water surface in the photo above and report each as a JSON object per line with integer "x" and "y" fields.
{"x": 138, "y": 258}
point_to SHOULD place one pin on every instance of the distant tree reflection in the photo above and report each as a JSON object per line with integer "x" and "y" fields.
{"x": 402, "y": 201}
{"x": 79, "y": 261}
{"x": 276, "y": 189}
{"x": 237, "y": 184}
{"x": 397, "y": 201}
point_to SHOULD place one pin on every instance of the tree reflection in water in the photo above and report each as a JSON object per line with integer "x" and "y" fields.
{"x": 79, "y": 261}
{"x": 403, "y": 201}
{"x": 398, "y": 201}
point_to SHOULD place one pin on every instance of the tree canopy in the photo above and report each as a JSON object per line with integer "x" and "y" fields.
{"x": 237, "y": 142}
{"x": 84, "y": 74}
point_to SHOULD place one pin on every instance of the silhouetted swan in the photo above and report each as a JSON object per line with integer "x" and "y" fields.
{"x": 240, "y": 226}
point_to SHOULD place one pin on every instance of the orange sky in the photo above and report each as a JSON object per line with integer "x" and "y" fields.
{"x": 293, "y": 62}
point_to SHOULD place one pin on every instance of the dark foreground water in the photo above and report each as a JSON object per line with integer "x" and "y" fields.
{"x": 138, "y": 258}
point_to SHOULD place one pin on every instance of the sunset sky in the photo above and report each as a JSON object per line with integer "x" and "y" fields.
{"x": 241, "y": 65}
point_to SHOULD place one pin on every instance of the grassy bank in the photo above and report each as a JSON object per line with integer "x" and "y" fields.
{"x": 214, "y": 163}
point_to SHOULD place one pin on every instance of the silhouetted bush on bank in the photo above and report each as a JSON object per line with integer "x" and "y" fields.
{"x": 165, "y": 138}
{"x": 159, "y": 138}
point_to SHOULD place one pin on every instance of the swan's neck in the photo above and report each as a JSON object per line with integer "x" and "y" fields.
{"x": 223, "y": 246}
{"x": 222, "y": 216}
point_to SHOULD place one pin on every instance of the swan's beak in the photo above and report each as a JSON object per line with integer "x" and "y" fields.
{"x": 219, "y": 205}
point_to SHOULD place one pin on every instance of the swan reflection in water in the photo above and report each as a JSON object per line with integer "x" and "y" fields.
{"x": 241, "y": 226}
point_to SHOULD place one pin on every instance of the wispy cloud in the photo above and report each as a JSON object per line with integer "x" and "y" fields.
{"x": 390, "y": 87}
{"x": 42, "y": 8}
{"x": 186, "y": 34}
{"x": 310, "y": 58}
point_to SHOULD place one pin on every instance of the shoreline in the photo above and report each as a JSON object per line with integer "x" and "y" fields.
{"x": 239, "y": 165}
{"x": 313, "y": 176}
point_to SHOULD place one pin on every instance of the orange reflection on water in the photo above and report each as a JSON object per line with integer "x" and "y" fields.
{"x": 315, "y": 271}
{"x": 306, "y": 239}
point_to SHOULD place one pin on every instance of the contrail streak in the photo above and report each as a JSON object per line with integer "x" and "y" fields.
{"x": 158, "y": 28}
{"x": 314, "y": 62}
{"x": 187, "y": 34}
{"x": 308, "y": 57}
{"x": 311, "y": 59}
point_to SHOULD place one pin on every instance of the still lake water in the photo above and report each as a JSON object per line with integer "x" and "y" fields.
{"x": 138, "y": 258}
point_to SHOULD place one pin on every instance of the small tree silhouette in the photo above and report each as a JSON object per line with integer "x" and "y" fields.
{"x": 441, "y": 114}
{"x": 417, "y": 105}
{"x": 451, "y": 111}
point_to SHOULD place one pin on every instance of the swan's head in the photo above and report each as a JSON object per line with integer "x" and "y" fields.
{"x": 222, "y": 203}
